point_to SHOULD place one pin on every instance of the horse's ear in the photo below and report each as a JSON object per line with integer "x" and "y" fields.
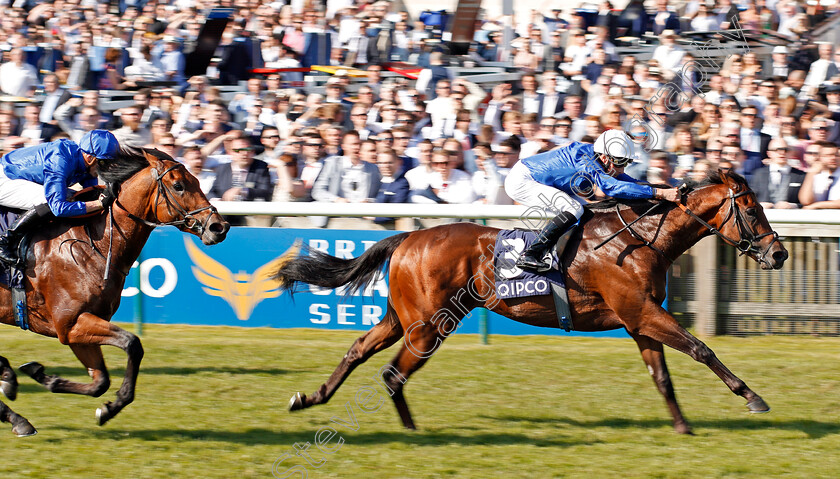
{"x": 153, "y": 159}
{"x": 727, "y": 180}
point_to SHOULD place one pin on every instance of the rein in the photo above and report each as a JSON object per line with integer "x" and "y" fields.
{"x": 628, "y": 227}
{"x": 188, "y": 220}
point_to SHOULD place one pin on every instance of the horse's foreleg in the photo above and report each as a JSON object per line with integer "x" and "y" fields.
{"x": 380, "y": 337}
{"x": 20, "y": 426}
{"x": 8, "y": 380}
{"x": 90, "y": 329}
{"x": 90, "y": 356}
{"x": 661, "y": 326}
{"x": 654, "y": 357}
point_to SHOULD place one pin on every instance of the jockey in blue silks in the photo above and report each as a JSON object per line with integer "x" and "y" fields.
{"x": 37, "y": 178}
{"x": 552, "y": 179}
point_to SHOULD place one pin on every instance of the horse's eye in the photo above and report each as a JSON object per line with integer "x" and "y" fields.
{"x": 750, "y": 211}
{"x": 177, "y": 186}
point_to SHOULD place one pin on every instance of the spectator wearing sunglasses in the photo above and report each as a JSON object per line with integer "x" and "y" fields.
{"x": 243, "y": 179}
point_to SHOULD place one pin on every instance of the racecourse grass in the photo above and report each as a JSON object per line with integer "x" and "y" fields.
{"x": 211, "y": 402}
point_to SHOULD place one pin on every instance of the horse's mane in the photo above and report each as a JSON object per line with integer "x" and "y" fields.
{"x": 128, "y": 162}
{"x": 713, "y": 178}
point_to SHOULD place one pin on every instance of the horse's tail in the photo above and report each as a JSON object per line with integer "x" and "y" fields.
{"x": 316, "y": 267}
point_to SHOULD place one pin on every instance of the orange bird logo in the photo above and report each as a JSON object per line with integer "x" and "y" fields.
{"x": 242, "y": 291}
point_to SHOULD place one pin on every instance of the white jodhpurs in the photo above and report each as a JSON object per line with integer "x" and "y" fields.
{"x": 522, "y": 187}
{"x": 20, "y": 194}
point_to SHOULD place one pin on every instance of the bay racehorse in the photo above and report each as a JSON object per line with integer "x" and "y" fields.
{"x": 439, "y": 274}
{"x": 76, "y": 269}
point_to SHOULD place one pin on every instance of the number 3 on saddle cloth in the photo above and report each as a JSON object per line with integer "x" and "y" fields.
{"x": 513, "y": 282}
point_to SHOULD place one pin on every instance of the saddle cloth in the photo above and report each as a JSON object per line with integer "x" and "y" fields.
{"x": 513, "y": 282}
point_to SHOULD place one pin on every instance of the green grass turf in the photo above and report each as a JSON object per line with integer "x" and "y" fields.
{"x": 211, "y": 402}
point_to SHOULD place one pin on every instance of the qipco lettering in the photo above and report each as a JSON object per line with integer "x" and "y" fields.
{"x": 170, "y": 278}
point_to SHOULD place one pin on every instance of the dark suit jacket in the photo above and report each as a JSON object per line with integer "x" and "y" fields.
{"x": 760, "y": 184}
{"x": 394, "y": 192}
{"x": 671, "y": 23}
{"x": 257, "y": 185}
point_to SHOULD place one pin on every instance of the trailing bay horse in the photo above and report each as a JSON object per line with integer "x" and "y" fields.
{"x": 76, "y": 269}
{"x": 439, "y": 274}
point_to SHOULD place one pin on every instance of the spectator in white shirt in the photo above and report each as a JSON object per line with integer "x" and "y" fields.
{"x": 16, "y": 77}
{"x": 420, "y": 177}
{"x": 668, "y": 54}
{"x": 450, "y": 184}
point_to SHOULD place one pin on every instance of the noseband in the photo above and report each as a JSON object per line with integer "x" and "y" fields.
{"x": 748, "y": 241}
{"x": 188, "y": 219}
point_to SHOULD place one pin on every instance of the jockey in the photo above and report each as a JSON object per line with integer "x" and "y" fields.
{"x": 37, "y": 178}
{"x": 550, "y": 181}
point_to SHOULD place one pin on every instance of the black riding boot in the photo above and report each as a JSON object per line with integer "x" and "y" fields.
{"x": 9, "y": 241}
{"x": 532, "y": 258}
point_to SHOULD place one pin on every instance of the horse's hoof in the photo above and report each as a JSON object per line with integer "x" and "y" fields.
{"x": 758, "y": 406}
{"x": 9, "y": 389}
{"x": 24, "y": 429}
{"x": 34, "y": 370}
{"x": 103, "y": 414}
{"x": 684, "y": 429}
{"x": 296, "y": 403}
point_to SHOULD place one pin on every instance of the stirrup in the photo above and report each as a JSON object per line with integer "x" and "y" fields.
{"x": 532, "y": 264}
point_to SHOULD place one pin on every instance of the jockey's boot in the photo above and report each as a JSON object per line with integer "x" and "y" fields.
{"x": 9, "y": 241}
{"x": 532, "y": 258}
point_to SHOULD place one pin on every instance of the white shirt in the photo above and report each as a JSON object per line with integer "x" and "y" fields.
{"x": 419, "y": 178}
{"x": 17, "y": 80}
{"x": 457, "y": 188}
{"x": 777, "y": 173}
{"x": 669, "y": 57}
{"x": 827, "y": 186}
{"x": 750, "y": 140}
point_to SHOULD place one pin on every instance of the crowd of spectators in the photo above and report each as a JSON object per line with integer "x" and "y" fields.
{"x": 774, "y": 118}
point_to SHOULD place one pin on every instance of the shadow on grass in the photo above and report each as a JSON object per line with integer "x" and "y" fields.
{"x": 261, "y": 436}
{"x": 162, "y": 370}
{"x": 814, "y": 429}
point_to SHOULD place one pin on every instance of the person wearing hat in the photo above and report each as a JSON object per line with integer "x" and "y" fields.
{"x": 780, "y": 65}
{"x": 37, "y": 178}
{"x": 550, "y": 181}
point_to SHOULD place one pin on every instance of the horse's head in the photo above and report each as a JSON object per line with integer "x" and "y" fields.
{"x": 738, "y": 218}
{"x": 165, "y": 193}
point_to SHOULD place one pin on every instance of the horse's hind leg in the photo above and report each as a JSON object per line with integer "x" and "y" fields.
{"x": 90, "y": 356}
{"x": 654, "y": 357}
{"x": 380, "y": 337}
{"x": 662, "y": 327}
{"x": 420, "y": 343}
{"x": 8, "y": 380}
{"x": 20, "y": 426}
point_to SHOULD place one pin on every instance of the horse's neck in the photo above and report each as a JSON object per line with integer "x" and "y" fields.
{"x": 123, "y": 240}
{"x": 667, "y": 228}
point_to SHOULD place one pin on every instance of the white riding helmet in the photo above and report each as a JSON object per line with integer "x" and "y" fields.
{"x": 617, "y": 145}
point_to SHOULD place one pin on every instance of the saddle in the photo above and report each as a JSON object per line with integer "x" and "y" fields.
{"x": 12, "y": 276}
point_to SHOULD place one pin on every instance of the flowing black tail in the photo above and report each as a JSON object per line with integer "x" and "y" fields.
{"x": 315, "y": 267}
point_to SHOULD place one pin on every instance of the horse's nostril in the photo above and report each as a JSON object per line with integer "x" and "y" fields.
{"x": 218, "y": 228}
{"x": 780, "y": 256}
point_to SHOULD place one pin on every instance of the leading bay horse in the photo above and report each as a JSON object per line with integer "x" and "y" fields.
{"x": 68, "y": 295}
{"x": 439, "y": 274}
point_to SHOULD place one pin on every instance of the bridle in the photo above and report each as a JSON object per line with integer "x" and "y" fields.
{"x": 188, "y": 219}
{"x": 748, "y": 241}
